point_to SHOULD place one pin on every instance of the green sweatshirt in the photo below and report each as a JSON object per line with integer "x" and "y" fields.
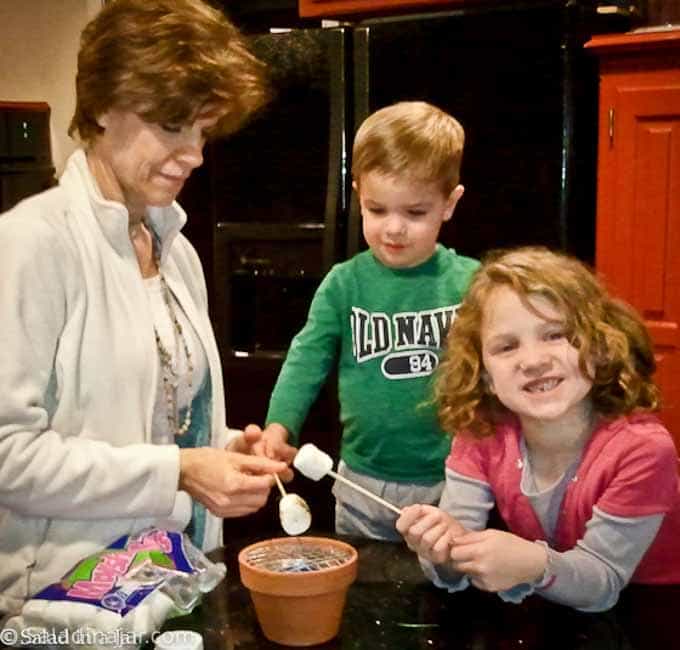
{"x": 384, "y": 328}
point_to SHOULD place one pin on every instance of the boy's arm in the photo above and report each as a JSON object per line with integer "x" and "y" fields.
{"x": 310, "y": 359}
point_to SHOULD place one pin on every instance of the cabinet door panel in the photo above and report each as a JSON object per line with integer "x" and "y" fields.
{"x": 649, "y": 139}
{"x": 639, "y": 218}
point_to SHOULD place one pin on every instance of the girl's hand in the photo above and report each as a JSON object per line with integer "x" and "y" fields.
{"x": 429, "y": 532}
{"x": 495, "y": 560}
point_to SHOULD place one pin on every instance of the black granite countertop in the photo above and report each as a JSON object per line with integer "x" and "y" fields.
{"x": 392, "y": 606}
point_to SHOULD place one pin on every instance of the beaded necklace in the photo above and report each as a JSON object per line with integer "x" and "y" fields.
{"x": 170, "y": 376}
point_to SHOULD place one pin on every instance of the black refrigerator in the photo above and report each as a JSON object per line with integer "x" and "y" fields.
{"x": 278, "y": 193}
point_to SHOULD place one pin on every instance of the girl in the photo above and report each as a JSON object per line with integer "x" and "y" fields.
{"x": 547, "y": 384}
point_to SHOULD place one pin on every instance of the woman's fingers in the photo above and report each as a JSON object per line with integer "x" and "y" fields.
{"x": 227, "y": 482}
{"x": 250, "y": 464}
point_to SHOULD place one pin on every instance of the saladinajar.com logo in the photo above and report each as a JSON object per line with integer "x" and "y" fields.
{"x": 41, "y": 636}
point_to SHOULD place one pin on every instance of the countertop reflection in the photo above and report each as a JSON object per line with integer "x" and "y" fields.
{"x": 392, "y": 606}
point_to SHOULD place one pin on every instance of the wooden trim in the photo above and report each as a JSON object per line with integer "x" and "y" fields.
{"x": 25, "y": 106}
{"x": 318, "y": 8}
{"x": 635, "y": 42}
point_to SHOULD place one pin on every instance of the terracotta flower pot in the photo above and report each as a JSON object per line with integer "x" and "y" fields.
{"x": 298, "y": 586}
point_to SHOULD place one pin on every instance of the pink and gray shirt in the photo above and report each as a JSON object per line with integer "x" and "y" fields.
{"x": 612, "y": 518}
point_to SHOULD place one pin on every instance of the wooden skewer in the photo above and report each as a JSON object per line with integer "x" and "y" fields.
{"x": 281, "y": 488}
{"x": 364, "y": 491}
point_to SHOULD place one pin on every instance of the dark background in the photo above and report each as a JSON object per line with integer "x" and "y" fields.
{"x": 515, "y": 75}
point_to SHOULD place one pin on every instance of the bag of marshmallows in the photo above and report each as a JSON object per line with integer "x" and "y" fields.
{"x": 119, "y": 596}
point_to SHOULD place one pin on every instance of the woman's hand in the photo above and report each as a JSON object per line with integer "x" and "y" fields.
{"x": 228, "y": 483}
{"x": 495, "y": 560}
{"x": 429, "y": 532}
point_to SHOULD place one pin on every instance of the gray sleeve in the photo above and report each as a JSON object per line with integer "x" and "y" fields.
{"x": 469, "y": 501}
{"x": 587, "y": 577}
{"x": 590, "y": 576}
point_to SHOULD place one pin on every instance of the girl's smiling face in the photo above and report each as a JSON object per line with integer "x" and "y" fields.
{"x": 530, "y": 364}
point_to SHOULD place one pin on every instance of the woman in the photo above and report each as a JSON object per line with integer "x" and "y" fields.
{"x": 111, "y": 399}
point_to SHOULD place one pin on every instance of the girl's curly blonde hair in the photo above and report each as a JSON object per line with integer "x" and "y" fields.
{"x": 609, "y": 334}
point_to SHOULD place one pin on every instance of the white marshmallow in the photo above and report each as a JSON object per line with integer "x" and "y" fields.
{"x": 312, "y": 462}
{"x": 294, "y": 514}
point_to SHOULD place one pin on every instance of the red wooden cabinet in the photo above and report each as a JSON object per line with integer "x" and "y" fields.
{"x": 25, "y": 151}
{"x": 638, "y": 190}
{"x": 317, "y": 8}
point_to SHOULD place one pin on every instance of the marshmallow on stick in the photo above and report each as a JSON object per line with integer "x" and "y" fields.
{"x": 315, "y": 464}
{"x": 294, "y": 513}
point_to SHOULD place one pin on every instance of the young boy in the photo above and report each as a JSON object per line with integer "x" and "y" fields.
{"x": 382, "y": 317}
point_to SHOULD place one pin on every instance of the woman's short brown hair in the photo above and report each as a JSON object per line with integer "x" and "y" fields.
{"x": 164, "y": 60}
{"x": 610, "y": 336}
{"x": 412, "y": 138}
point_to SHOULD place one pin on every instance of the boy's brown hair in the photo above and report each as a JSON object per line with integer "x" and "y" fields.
{"x": 165, "y": 60}
{"x": 411, "y": 138}
{"x": 609, "y": 334}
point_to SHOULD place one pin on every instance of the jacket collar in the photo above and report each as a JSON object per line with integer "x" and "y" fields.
{"x": 111, "y": 216}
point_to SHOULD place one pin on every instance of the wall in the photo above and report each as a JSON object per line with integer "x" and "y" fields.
{"x": 38, "y": 59}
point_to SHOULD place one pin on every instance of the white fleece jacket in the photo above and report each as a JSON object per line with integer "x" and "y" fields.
{"x": 78, "y": 373}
